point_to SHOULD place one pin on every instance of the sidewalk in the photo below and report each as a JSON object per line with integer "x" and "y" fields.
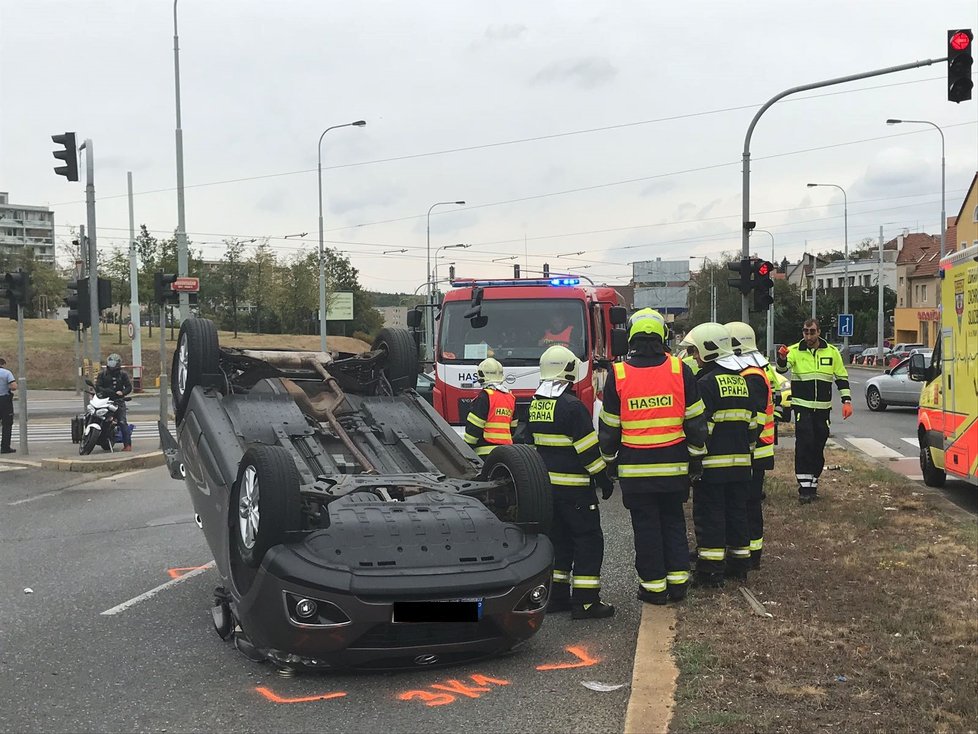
{"x": 64, "y": 457}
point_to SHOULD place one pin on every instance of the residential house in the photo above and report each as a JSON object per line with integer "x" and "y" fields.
{"x": 914, "y": 249}
{"x": 967, "y": 219}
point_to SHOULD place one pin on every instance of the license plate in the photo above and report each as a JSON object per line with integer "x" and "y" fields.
{"x": 437, "y": 612}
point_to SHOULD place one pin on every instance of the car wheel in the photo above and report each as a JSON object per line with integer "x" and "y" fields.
{"x": 874, "y": 400}
{"x": 528, "y": 499}
{"x": 197, "y": 354}
{"x": 265, "y": 502}
{"x": 933, "y": 477}
{"x": 402, "y": 365}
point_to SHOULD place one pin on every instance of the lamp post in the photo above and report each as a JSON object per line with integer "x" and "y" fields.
{"x": 713, "y": 289}
{"x": 770, "y": 311}
{"x": 845, "y": 283}
{"x": 445, "y": 247}
{"x": 430, "y": 321}
{"x": 388, "y": 252}
{"x": 893, "y": 121}
{"x": 322, "y": 253}
{"x": 181, "y": 233}
{"x": 500, "y": 259}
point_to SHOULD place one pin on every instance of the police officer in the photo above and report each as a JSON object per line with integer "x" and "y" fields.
{"x": 115, "y": 380}
{"x": 720, "y": 493}
{"x": 492, "y": 414}
{"x": 564, "y": 435}
{"x": 814, "y": 364}
{"x": 761, "y": 381}
{"x": 650, "y": 418}
{"x": 8, "y": 384}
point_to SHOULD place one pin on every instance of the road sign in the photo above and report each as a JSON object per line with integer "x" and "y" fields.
{"x": 340, "y": 306}
{"x": 131, "y": 328}
{"x": 186, "y": 285}
{"x": 845, "y": 324}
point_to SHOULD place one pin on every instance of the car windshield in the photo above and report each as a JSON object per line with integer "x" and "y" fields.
{"x": 517, "y": 331}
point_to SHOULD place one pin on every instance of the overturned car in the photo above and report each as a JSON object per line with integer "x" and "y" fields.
{"x": 350, "y": 525}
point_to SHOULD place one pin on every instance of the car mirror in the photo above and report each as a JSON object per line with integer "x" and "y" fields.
{"x": 414, "y": 319}
{"x": 619, "y": 342}
{"x": 887, "y": 371}
{"x": 918, "y": 368}
{"x": 617, "y": 315}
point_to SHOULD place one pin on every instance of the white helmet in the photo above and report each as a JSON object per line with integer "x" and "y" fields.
{"x": 742, "y": 338}
{"x": 490, "y": 372}
{"x": 558, "y": 363}
{"x": 712, "y": 341}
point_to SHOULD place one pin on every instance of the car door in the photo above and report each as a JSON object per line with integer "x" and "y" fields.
{"x": 899, "y": 387}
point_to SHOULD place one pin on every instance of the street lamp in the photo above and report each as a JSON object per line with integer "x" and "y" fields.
{"x": 570, "y": 254}
{"x": 181, "y": 233}
{"x": 431, "y": 315}
{"x": 713, "y": 290}
{"x": 500, "y": 259}
{"x": 388, "y": 252}
{"x": 893, "y": 121}
{"x": 300, "y": 234}
{"x": 770, "y": 311}
{"x": 322, "y": 255}
{"x": 845, "y": 283}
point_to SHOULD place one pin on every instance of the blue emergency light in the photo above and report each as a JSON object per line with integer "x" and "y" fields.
{"x": 515, "y": 283}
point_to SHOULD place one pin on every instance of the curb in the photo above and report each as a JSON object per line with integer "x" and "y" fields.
{"x": 651, "y": 703}
{"x": 112, "y": 464}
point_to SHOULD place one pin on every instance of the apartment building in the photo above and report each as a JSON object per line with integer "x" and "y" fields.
{"x": 25, "y": 225}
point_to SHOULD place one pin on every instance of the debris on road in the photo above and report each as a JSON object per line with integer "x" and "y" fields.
{"x": 755, "y": 605}
{"x": 28, "y": 590}
{"x": 602, "y": 687}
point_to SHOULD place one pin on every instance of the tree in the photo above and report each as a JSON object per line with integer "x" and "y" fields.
{"x": 341, "y": 276}
{"x": 295, "y": 293}
{"x": 262, "y": 266}
{"x": 116, "y": 269}
{"x": 233, "y": 276}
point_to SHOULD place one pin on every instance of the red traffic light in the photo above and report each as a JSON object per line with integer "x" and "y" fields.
{"x": 763, "y": 269}
{"x": 960, "y": 41}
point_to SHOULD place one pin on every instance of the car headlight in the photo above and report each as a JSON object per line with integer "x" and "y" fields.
{"x": 306, "y": 612}
{"x": 535, "y": 599}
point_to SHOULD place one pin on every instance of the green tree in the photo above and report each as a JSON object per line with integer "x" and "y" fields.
{"x": 233, "y": 276}
{"x": 262, "y": 266}
{"x": 341, "y": 276}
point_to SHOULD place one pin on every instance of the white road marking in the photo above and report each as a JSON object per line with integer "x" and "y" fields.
{"x": 912, "y": 441}
{"x": 153, "y": 592}
{"x": 35, "y": 497}
{"x": 873, "y": 448}
{"x": 6, "y": 467}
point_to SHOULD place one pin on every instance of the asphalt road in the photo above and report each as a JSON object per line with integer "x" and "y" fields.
{"x": 84, "y": 546}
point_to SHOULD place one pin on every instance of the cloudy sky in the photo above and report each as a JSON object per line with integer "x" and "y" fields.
{"x": 612, "y": 129}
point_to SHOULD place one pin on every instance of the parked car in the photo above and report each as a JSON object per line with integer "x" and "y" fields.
{"x": 350, "y": 526}
{"x": 902, "y": 351}
{"x": 872, "y": 355}
{"x": 854, "y": 351}
{"x": 894, "y": 387}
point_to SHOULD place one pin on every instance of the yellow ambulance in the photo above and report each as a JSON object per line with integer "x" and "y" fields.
{"x": 947, "y": 421}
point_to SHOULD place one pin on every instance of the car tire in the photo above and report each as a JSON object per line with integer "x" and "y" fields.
{"x": 530, "y": 502}
{"x": 933, "y": 477}
{"x": 402, "y": 366}
{"x": 874, "y": 400}
{"x": 197, "y": 354}
{"x": 265, "y": 502}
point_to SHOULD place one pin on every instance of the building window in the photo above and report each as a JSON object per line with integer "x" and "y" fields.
{"x": 828, "y": 282}
{"x": 975, "y": 217}
{"x": 852, "y": 280}
{"x": 923, "y": 293}
{"x": 901, "y": 282}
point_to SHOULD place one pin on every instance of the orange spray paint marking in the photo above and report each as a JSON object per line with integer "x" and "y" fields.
{"x": 429, "y": 698}
{"x": 583, "y": 660}
{"x": 176, "y": 573}
{"x": 452, "y": 690}
{"x": 272, "y": 696}
{"x": 456, "y": 686}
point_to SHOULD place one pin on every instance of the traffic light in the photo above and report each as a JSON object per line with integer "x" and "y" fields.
{"x": 959, "y": 61}
{"x": 163, "y": 288}
{"x": 516, "y": 271}
{"x": 104, "y": 294}
{"x": 744, "y": 272}
{"x": 451, "y": 273}
{"x": 16, "y": 289}
{"x": 8, "y": 309}
{"x": 546, "y": 270}
{"x": 79, "y": 306}
{"x": 69, "y": 155}
{"x": 763, "y": 285}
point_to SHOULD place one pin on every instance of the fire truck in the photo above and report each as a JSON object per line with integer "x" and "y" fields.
{"x": 515, "y": 321}
{"x": 947, "y": 420}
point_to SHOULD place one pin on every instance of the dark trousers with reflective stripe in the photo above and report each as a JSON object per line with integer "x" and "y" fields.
{"x": 755, "y": 515}
{"x": 6, "y": 419}
{"x": 578, "y": 542}
{"x": 659, "y": 525}
{"x": 720, "y": 520}
{"x": 811, "y": 433}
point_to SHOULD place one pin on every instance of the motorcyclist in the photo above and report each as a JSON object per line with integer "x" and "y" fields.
{"x": 115, "y": 381}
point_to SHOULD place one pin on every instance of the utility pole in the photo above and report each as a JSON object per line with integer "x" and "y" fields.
{"x": 182, "y": 254}
{"x": 92, "y": 250}
{"x": 22, "y": 378}
{"x": 137, "y": 341}
{"x": 814, "y": 283}
{"x": 879, "y": 300}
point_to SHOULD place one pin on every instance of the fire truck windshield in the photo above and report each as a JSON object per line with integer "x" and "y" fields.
{"x": 517, "y": 331}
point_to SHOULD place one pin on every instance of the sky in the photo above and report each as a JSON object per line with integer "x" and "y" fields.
{"x": 584, "y": 135}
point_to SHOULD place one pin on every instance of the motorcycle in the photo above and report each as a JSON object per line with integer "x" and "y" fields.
{"x": 101, "y": 427}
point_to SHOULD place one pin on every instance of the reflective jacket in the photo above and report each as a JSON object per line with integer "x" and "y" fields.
{"x": 693, "y": 365}
{"x": 561, "y": 337}
{"x": 491, "y": 420}
{"x": 731, "y": 416}
{"x": 651, "y": 420}
{"x": 812, "y": 374}
{"x": 564, "y": 436}
{"x": 759, "y": 387}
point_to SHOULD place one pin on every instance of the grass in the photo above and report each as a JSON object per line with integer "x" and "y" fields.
{"x": 875, "y": 616}
{"x": 50, "y": 349}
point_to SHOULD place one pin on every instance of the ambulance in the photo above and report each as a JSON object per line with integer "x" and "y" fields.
{"x": 515, "y": 321}
{"x": 947, "y": 420}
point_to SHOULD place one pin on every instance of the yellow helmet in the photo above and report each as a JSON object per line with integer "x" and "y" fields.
{"x": 490, "y": 372}
{"x": 712, "y": 341}
{"x": 558, "y": 363}
{"x": 646, "y": 322}
{"x": 742, "y": 338}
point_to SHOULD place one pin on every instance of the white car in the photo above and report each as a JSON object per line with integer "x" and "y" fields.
{"x": 894, "y": 386}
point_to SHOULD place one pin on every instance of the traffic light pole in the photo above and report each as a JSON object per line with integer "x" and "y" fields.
{"x": 92, "y": 250}
{"x": 749, "y": 225}
{"x": 137, "y": 339}
{"x": 163, "y": 375}
{"x": 22, "y": 380}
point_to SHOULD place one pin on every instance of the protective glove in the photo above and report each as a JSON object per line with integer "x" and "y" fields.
{"x": 782, "y": 355}
{"x": 695, "y": 469}
{"x": 846, "y": 410}
{"x": 612, "y": 467}
{"x": 605, "y": 484}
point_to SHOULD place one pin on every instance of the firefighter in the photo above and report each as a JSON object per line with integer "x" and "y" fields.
{"x": 720, "y": 491}
{"x": 761, "y": 381}
{"x": 492, "y": 414}
{"x": 813, "y": 364}
{"x": 564, "y": 435}
{"x": 650, "y": 420}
